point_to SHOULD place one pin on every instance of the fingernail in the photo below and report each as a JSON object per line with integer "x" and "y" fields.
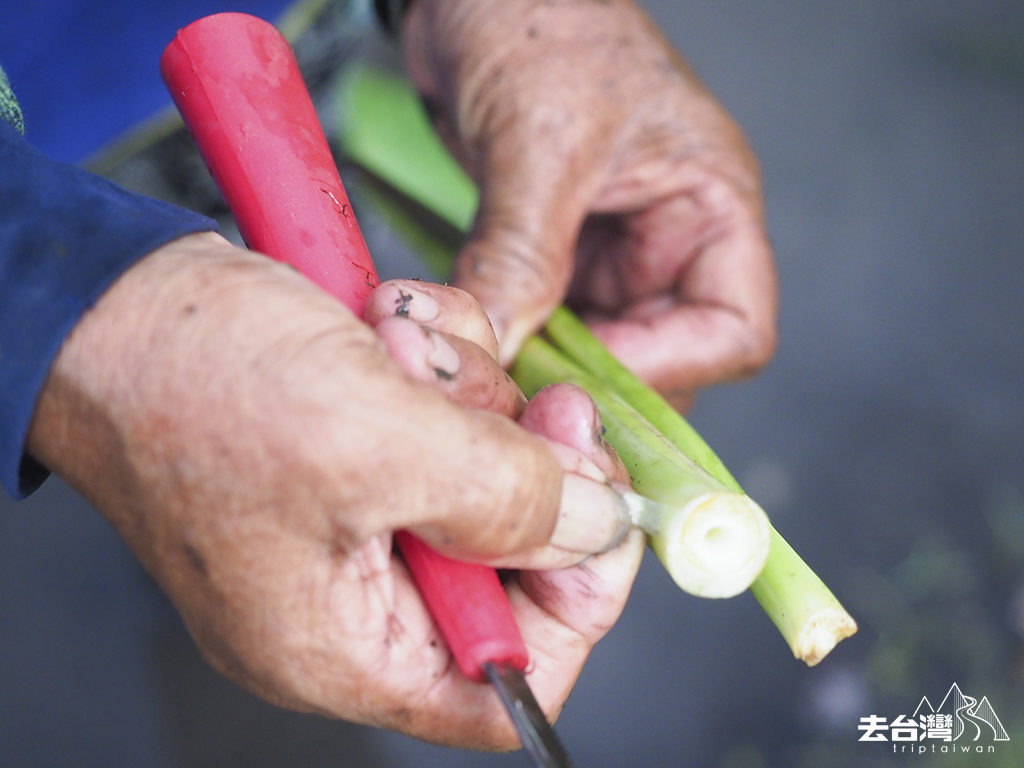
{"x": 592, "y": 518}
{"x": 443, "y": 358}
{"x": 415, "y": 305}
{"x": 510, "y": 338}
{"x": 498, "y": 325}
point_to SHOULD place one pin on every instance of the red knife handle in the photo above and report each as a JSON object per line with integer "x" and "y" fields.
{"x": 469, "y": 606}
{"x": 238, "y": 87}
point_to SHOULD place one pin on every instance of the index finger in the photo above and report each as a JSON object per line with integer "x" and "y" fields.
{"x": 441, "y": 308}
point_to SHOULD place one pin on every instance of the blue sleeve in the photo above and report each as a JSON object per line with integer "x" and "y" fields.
{"x": 65, "y": 236}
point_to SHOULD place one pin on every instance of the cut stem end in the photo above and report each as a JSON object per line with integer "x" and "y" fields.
{"x": 821, "y": 633}
{"x": 715, "y": 545}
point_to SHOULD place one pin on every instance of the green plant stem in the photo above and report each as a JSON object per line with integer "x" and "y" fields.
{"x": 798, "y": 602}
{"x": 571, "y": 335}
{"x": 712, "y": 540}
{"x": 413, "y": 160}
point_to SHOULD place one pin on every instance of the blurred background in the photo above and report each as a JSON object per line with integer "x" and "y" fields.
{"x": 886, "y": 439}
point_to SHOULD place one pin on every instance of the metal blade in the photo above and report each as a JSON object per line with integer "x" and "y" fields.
{"x": 538, "y": 737}
{"x": 646, "y": 513}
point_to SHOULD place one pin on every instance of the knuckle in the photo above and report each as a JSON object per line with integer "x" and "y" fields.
{"x": 512, "y": 258}
{"x": 524, "y": 488}
{"x": 759, "y": 344}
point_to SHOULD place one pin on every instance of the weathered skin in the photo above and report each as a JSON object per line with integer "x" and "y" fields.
{"x": 256, "y": 445}
{"x": 608, "y": 173}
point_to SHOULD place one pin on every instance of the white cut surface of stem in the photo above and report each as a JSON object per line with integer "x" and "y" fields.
{"x": 715, "y": 545}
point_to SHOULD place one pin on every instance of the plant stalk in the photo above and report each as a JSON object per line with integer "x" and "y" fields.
{"x": 798, "y": 602}
{"x": 647, "y": 433}
{"x": 712, "y": 540}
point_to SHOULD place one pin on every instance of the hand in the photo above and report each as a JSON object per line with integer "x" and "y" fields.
{"x": 589, "y": 136}
{"x": 255, "y": 445}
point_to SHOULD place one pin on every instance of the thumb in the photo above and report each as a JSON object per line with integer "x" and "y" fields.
{"x": 518, "y": 259}
{"x": 505, "y": 495}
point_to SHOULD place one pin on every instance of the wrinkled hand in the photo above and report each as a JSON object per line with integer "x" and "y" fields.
{"x": 589, "y": 136}
{"x": 255, "y": 445}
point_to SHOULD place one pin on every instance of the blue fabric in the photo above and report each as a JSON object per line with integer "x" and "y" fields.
{"x": 85, "y": 71}
{"x": 65, "y": 236}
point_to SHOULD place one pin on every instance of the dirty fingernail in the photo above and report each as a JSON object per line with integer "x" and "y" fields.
{"x": 443, "y": 358}
{"x": 592, "y": 518}
{"x": 416, "y": 305}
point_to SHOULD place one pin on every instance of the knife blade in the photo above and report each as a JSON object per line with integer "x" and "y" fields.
{"x": 472, "y": 612}
{"x": 538, "y": 737}
{"x": 646, "y": 513}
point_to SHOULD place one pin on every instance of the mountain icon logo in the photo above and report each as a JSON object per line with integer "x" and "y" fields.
{"x": 971, "y": 718}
